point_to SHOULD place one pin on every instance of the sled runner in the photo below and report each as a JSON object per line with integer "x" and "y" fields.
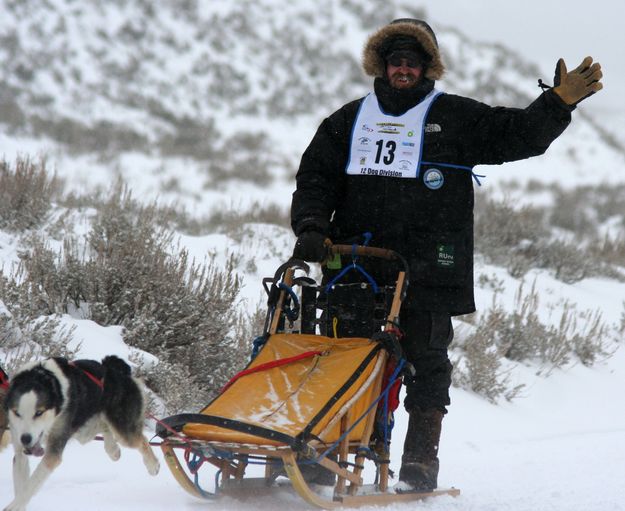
{"x": 309, "y": 407}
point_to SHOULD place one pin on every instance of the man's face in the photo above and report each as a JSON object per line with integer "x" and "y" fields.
{"x": 404, "y": 70}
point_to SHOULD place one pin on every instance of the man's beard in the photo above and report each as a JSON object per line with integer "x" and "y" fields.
{"x": 397, "y": 101}
{"x": 403, "y": 81}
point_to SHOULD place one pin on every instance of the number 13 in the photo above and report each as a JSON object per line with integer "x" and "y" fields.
{"x": 391, "y": 145}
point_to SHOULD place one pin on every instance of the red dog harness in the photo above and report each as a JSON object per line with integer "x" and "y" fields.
{"x": 4, "y": 380}
{"x": 98, "y": 381}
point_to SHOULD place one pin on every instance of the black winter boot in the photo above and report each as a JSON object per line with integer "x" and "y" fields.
{"x": 419, "y": 463}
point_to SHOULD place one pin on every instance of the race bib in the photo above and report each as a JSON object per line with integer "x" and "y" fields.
{"x": 387, "y": 145}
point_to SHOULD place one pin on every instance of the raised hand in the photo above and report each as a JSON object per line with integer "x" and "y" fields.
{"x": 575, "y": 86}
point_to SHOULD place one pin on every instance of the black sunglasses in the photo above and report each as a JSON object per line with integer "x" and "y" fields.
{"x": 410, "y": 61}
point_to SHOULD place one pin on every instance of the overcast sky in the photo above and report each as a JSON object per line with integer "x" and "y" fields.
{"x": 544, "y": 30}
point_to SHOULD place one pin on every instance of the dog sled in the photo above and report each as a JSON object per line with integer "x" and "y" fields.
{"x": 309, "y": 402}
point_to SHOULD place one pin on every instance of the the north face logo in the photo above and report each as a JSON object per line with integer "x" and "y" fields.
{"x": 433, "y": 128}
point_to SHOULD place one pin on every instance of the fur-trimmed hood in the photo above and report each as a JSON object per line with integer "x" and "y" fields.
{"x": 373, "y": 58}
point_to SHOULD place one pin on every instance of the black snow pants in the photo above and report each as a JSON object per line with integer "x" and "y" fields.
{"x": 427, "y": 336}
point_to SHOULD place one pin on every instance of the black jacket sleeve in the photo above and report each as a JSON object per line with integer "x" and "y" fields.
{"x": 321, "y": 175}
{"x": 495, "y": 135}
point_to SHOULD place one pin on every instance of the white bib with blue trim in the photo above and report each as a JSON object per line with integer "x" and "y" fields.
{"x": 388, "y": 145}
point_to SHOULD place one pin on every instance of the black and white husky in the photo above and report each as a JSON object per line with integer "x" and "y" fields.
{"x": 51, "y": 401}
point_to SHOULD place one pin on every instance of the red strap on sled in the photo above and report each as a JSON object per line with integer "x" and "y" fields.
{"x": 393, "y": 393}
{"x": 270, "y": 365}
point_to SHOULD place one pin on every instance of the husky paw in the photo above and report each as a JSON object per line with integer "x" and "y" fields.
{"x": 150, "y": 460}
{"x": 153, "y": 467}
{"x": 113, "y": 451}
{"x": 15, "y": 506}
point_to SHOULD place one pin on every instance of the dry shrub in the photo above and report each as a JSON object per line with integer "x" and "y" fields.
{"x": 230, "y": 221}
{"x": 24, "y": 338}
{"x": 481, "y": 370}
{"x": 611, "y": 252}
{"x": 26, "y": 194}
{"x": 506, "y": 236}
{"x": 127, "y": 273}
{"x": 521, "y": 336}
{"x": 581, "y": 209}
{"x": 520, "y": 239}
{"x": 480, "y": 366}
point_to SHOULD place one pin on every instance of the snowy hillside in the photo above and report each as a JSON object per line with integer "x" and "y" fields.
{"x": 228, "y": 93}
{"x": 207, "y": 105}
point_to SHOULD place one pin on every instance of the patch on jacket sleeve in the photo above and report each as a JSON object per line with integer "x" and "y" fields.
{"x": 445, "y": 255}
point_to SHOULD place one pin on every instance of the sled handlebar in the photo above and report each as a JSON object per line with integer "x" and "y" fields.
{"x": 361, "y": 250}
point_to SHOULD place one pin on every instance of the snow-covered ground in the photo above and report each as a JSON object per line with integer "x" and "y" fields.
{"x": 559, "y": 446}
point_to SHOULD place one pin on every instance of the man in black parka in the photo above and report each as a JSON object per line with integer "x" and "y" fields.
{"x": 398, "y": 164}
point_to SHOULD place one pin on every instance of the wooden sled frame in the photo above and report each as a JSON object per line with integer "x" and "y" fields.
{"x": 232, "y": 459}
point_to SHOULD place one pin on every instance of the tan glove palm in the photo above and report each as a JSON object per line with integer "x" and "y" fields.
{"x": 575, "y": 86}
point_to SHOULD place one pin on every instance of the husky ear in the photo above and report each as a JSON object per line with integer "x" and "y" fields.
{"x": 51, "y": 382}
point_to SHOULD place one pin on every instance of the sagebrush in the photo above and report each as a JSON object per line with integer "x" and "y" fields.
{"x": 523, "y": 336}
{"x": 571, "y": 237}
{"x": 26, "y": 193}
{"x": 127, "y": 272}
{"x": 24, "y": 337}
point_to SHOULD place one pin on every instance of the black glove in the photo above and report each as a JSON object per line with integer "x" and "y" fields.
{"x": 310, "y": 246}
{"x": 575, "y": 86}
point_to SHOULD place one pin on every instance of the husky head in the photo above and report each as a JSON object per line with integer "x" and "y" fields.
{"x": 35, "y": 400}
